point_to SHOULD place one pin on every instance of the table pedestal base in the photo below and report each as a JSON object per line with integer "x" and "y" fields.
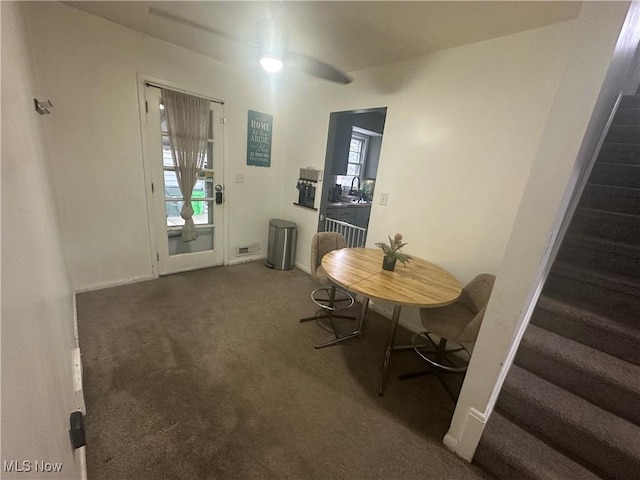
{"x": 341, "y": 338}
{"x": 391, "y": 347}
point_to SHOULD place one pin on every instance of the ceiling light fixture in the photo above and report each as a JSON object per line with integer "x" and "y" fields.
{"x": 271, "y": 64}
{"x": 272, "y": 41}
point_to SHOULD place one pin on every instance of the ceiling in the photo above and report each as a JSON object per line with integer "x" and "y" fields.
{"x": 349, "y": 35}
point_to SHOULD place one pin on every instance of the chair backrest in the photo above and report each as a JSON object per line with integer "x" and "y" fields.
{"x": 475, "y": 296}
{"x": 323, "y": 243}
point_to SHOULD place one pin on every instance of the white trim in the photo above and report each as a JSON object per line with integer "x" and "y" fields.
{"x": 473, "y": 427}
{"x": 164, "y": 133}
{"x": 171, "y": 168}
{"x": 154, "y": 249}
{"x": 566, "y": 211}
{"x": 467, "y": 424}
{"x": 148, "y": 181}
{"x": 78, "y": 390}
{"x": 304, "y": 268}
{"x": 198, "y": 199}
{"x": 198, "y": 226}
{"x": 226, "y": 231}
{"x": 244, "y": 259}
{"x": 76, "y": 360}
{"x": 80, "y": 454}
{"x": 74, "y": 309}
{"x": 116, "y": 283}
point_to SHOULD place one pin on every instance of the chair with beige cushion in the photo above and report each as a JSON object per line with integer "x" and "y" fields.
{"x": 330, "y": 299}
{"x": 458, "y": 323}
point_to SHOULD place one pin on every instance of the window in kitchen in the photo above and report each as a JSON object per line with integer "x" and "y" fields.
{"x": 357, "y": 156}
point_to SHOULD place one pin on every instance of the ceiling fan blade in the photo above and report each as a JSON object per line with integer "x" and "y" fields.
{"x": 158, "y": 12}
{"x": 306, "y": 64}
{"x": 317, "y": 68}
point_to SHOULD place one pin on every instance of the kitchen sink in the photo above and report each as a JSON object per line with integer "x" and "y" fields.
{"x": 354, "y": 203}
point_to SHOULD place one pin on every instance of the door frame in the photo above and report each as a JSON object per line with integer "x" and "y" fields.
{"x": 336, "y": 123}
{"x": 142, "y": 79}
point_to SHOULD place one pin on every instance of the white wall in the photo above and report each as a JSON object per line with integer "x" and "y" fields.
{"x": 37, "y": 299}
{"x": 480, "y": 146}
{"x": 87, "y": 67}
{"x": 468, "y": 131}
{"x": 593, "y": 76}
{"x": 461, "y": 134}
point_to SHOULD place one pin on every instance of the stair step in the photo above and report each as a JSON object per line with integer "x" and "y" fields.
{"x": 627, "y": 116}
{"x": 507, "y": 451}
{"x": 604, "y": 292}
{"x": 569, "y": 318}
{"x": 608, "y": 445}
{"x": 621, "y": 227}
{"x": 604, "y": 380}
{"x": 629, "y": 101}
{"x": 603, "y": 254}
{"x": 613, "y": 199}
{"x": 615, "y": 174}
{"x": 619, "y": 153}
{"x": 610, "y": 281}
{"x": 623, "y": 134}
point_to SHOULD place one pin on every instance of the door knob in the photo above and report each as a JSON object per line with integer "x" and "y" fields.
{"x": 218, "y": 189}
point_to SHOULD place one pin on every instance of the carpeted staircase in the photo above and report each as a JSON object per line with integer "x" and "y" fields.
{"x": 570, "y": 405}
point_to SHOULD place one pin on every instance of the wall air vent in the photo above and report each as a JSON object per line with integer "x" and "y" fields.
{"x": 247, "y": 249}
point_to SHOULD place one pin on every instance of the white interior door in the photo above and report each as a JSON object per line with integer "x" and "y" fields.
{"x": 174, "y": 255}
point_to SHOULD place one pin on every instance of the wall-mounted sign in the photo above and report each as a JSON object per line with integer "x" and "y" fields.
{"x": 259, "y": 128}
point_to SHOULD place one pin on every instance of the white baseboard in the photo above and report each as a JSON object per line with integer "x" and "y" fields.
{"x": 115, "y": 283}
{"x": 245, "y": 259}
{"x": 465, "y": 446}
{"x": 303, "y": 267}
{"x": 76, "y": 362}
{"x": 80, "y": 454}
{"x": 76, "y": 365}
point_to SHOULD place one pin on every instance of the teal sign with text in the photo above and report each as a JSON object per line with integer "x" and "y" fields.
{"x": 259, "y": 129}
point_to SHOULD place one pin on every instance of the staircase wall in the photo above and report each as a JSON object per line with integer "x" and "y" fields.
{"x": 574, "y": 389}
{"x": 596, "y": 70}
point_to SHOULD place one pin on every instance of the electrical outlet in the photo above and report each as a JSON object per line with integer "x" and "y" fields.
{"x": 239, "y": 177}
{"x": 383, "y": 198}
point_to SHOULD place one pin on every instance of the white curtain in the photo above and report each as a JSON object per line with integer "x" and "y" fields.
{"x": 187, "y": 126}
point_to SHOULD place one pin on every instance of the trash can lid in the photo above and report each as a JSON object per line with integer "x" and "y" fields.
{"x": 281, "y": 223}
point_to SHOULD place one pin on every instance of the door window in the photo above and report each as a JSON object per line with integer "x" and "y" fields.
{"x": 174, "y": 255}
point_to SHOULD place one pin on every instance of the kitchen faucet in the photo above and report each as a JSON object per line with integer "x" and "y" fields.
{"x": 352, "y": 191}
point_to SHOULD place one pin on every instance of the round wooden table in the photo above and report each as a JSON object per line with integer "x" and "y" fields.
{"x": 418, "y": 284}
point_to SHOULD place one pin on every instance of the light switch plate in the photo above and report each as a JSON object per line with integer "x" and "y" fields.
{"x": 239, "y": 177}
{"x": 383, "y": 198}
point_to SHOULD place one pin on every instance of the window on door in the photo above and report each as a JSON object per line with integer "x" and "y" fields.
{"x": 357, "y": 158}
{"x": 207, "y": 250}
{"x": 202, "y": 196}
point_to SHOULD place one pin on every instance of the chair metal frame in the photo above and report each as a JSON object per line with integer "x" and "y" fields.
{"x": 331, "y": 299}
{"x": 329, "y": 305}
{"x": 474, "y": 297}
{"x": 442, "y": 362}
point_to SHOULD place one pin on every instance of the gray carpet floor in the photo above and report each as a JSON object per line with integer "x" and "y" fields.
{"x": 208, "y": 374}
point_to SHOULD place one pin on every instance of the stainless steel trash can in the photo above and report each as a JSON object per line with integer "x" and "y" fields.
{"x": 281, "y": 251}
